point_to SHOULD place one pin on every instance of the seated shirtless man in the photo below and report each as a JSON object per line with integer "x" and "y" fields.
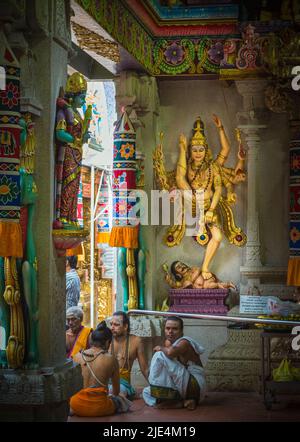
{"x": 176, "y": 374}
{"x": 98, "y": 366}
{"x": 127, "y": 348}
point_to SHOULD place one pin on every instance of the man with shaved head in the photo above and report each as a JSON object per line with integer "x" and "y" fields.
{"x": 77, "y": 336}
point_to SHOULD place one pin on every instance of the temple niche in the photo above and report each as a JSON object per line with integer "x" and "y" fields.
{"x": 203, "y": 100}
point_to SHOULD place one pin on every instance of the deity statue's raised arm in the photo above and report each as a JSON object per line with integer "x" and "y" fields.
{"x": 225, "y": 146}
{"x": 181, "y": 170}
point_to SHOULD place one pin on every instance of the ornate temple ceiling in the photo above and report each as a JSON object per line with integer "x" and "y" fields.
{"x": 192, "y": 38}
{"x": 185, "y": 18}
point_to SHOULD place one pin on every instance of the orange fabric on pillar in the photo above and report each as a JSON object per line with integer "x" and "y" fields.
{"x": 103, "y": 237}
{"x": 293, "y": 275}
{"x": 92, "y": 402}
{"x": 74, "y": 252}
{"x": 11, "y": 240}
{"x": 127, "y": 237}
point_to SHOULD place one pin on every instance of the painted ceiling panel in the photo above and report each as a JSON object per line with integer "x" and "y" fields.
{"x": 200, "y": 10}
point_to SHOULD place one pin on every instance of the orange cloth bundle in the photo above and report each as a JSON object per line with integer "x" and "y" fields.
{"x": 127, "y": 237}
{"x": 11, "y": 240}
{"x": 92, "y": 402}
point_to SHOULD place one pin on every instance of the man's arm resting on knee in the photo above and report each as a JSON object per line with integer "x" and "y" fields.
{"x": 174, "y": 352}
{"x": 142, "y": 359}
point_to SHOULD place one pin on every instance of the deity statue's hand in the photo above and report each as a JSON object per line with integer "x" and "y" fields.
{"x": 241, "y": 153}
{"x": 86, "y": 137}
{"x": 168, "y": 278}
{"x": 217, "y": 121}
{"x": 182, "y": 142}
{"x": 209, "y": 216}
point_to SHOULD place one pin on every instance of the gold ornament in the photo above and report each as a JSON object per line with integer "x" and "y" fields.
{"x": 76, "y": 84}
{"x": 199, "y": 138}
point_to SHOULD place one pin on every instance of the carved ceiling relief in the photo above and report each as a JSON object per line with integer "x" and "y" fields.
{"x": 94, "y": 42}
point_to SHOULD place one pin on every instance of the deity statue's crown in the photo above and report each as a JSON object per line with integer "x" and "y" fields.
{"x": 198, "y": 139}
{"x": 76, "y": 84}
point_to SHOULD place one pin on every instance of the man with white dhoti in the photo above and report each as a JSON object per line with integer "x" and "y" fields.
{"x": 176, "y": 373}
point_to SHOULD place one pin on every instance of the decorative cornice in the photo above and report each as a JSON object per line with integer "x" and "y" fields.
{"x": 225, "y": 49}
{"x": 198, "y": 24}
{"x": 115, "y": 19}
{"x": 96, "y": 43}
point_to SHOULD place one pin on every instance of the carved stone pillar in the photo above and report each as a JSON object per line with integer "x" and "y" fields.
{"x": 42, "y": 393}
{"x": 250, "y": 121}
{"x": 253, "y": 249}
{"x": 258, "y": 276}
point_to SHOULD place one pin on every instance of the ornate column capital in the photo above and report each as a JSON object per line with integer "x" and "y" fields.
{"x": 137, "y": 91}
{"x": 254, "y": 110}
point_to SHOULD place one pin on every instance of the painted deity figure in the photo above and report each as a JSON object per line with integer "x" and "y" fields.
{"x": 197, "y": 171}
{"x": 184, "y": 277}
{"x": 71, "y": 133}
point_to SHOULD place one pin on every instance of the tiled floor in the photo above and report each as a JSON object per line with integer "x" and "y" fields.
{"x": 217, "y": 407}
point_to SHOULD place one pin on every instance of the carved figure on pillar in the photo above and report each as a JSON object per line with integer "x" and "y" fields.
{"x": 71, "y": 134}
{"x": 29, "y": 265}
{"x": 198, "y": 171}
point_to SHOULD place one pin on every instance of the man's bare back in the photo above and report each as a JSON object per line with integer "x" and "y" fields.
{"x": 105, "y": 367}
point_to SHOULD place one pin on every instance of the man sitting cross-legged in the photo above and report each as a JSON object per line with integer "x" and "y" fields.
{"x": 127, "y": 348}
{"x": 176, "y": 374}
{"x": 98, "y": 367}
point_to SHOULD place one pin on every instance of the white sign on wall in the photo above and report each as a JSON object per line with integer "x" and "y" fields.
{"x": 258, "y": 305}
{"x": 267, "y": 305}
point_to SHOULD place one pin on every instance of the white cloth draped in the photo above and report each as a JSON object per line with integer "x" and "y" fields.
{"x": 167, "y": 372}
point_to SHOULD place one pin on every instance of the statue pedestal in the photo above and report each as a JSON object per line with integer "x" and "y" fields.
{"x": 235, "y": 365}
{"x": 38, "y": 395}
{"x": 210, "y": 301}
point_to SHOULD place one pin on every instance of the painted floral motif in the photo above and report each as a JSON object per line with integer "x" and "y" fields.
{"x": 216, "y": 52}
{"x": 127, "y": 151}
{"x": 10, "y": 97}
{"x": 102, "y": 223}
{"x": 294, "y": 235}
{"x": 8, "y": 190}
{"x": 295, "y": 162}
{"x": 174, "y": 53}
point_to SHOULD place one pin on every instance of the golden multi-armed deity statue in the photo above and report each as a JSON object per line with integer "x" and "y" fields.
{"x": 198, "y": 171}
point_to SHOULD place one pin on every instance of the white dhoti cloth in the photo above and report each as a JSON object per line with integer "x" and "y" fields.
{"x": 170, "y": 373}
